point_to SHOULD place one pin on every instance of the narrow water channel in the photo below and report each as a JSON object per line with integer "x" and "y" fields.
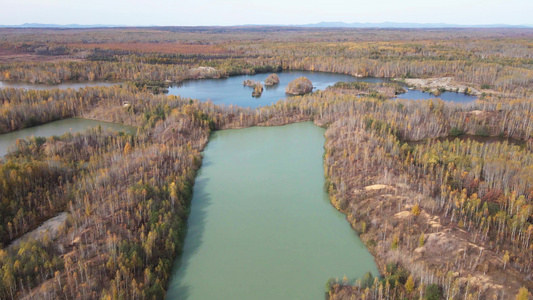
{"x": 261, "y": 225}
{"x": 64, "y": 85}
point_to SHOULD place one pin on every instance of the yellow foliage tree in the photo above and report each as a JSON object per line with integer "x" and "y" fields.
{"x": 127, "y": 149}
{"x": 421, "y": 240}
{"x": 410, "y": 284}
{"x": 523, "y": 294}
{"x": 416, "y": 210}
{"x": 505, "y": 259}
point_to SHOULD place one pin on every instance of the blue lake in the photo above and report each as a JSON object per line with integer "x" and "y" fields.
{"x": 230, "y": 91}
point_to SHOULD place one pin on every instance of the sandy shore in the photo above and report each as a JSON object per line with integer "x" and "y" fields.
{"x": 50, "y": 227}
{"x": 434, "y": 84}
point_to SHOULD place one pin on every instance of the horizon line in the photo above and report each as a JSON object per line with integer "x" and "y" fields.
{"x": 322, "y": 24}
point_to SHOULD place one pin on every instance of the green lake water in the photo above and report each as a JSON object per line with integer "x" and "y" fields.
{"x": 60, "y": 127}
{"x": 261, "y": 225}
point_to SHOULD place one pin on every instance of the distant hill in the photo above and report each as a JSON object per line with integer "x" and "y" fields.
{"x": 315, "y": 25}
{"x": 408, "y": 25}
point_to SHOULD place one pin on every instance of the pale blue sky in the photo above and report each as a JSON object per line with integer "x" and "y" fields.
{"x": 238, "y": 12}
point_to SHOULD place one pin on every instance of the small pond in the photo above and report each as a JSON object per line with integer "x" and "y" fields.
{"x": 60, "y": 127}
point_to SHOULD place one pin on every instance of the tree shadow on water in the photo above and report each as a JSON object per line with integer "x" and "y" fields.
{"x": 196, "y": 223}
{"x": 206, "y": 163}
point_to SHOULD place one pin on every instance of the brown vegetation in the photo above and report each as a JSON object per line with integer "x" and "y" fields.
{"x": 448, "y": 218}
{"x": 168, "y": 48}
{"x": 9, "y": 56}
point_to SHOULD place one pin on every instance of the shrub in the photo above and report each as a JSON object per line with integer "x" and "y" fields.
{"x": 433, "y": 292}
{"x": 368, "y": 280}
{"x": 456, "y": 131}
{"x": 483, "y": 131}
{"x": 329, "y": 284}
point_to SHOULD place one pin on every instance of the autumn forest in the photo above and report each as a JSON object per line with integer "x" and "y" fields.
{"x": 444, "y": 214}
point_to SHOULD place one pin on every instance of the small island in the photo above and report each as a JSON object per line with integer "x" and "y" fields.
{"x": 258, "y": 90}
{"x": 250, "y": 83}
{"x": 299, "y": 86}
{"x": 272, "y": 79}
{"x": 258, "y": 87}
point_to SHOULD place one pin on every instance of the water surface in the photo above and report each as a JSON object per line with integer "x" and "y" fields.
{"x": 261, "y": 225}
{"x": 73, "y": 125}
{"x": 231, "y": 91}
{"x": 454, "y": 97}
{"x": 64, "y": 85}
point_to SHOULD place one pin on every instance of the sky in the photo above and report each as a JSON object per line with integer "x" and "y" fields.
{"x": 263, "y": 12}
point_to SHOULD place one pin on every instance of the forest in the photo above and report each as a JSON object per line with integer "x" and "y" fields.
{"x": 444, "y": 218}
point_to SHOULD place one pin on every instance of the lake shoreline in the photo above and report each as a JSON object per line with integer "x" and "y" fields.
{"x": 58, "y": 128}
{"x": 434, "y": 87}
{"x": 194, "y": 256}
{"x": 228, "y": 90}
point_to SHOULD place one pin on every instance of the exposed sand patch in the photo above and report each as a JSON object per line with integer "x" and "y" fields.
{"x": 476, "y": 112}
{"x": 434, "y": 222}
{"x": 50, "y": 227}
{"x": 447, "y": 83}
{"x": 403, "y": 215}
{"x": 439, "y": 247}
{"x": 376, "y": 187}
